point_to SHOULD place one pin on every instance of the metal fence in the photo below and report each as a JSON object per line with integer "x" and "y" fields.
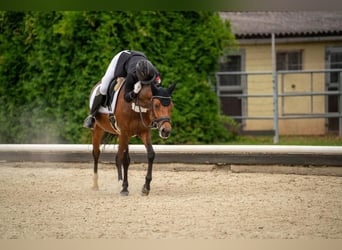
{"x": 276, "y": 88}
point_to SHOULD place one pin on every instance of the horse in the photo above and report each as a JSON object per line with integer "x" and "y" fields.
{"x": 150, "y": 110}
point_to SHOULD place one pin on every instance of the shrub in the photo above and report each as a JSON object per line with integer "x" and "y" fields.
{"x": 49, "y": 61}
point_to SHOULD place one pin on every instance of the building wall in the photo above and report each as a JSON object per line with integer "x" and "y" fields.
{"x": 259, "y": 58}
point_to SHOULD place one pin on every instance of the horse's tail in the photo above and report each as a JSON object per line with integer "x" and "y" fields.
{"x": 109, "y": 138}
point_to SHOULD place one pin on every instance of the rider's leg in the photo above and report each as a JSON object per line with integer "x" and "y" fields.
{"x": 98, "y": 101}
{"x": 100, "y": 97}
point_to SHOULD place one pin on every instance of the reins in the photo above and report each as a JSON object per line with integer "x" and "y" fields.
{"x": 141, "y": 117}
{"x": 155, "y": 121}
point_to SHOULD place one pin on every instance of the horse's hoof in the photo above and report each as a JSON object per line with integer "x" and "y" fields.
{"x": 144, "y": 191}
{"x": 95, "y": 188}
{"x": 124, "y": 193}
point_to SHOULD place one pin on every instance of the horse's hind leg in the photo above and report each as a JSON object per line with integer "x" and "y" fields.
{"x": 97, "y": 134}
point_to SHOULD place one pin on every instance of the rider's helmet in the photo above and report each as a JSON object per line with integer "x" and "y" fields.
{"x": 146, "y": 72}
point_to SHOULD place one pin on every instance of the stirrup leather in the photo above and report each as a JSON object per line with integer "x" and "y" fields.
{"x": 114, "y": 123}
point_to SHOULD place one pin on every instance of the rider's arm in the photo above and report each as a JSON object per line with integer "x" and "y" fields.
{"x": 130, "y": 81}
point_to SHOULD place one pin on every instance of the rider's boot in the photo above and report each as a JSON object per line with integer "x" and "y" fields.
{"x": 98, "y": 101}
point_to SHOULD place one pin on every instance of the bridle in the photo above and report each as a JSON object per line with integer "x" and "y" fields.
{"x": 156, "y": 122}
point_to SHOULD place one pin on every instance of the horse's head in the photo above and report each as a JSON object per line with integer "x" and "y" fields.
{"x": 156, "y": 100}
{"x": 161, "y": 109}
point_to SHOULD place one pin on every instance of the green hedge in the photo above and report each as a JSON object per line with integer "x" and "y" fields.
{"x": 49, "y": 61}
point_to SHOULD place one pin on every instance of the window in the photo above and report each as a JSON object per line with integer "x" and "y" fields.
{"x": 333, "y": 105}
{"x": 335, "y": 63}
{"x": 230, "y": 86}
{"x": 232, "y": 63}
{"x": 289, "y": 60}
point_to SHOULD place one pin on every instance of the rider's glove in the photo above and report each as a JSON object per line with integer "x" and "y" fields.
{"x": 137, "y": 87}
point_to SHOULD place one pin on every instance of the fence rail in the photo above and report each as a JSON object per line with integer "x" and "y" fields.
{"x": 198, "y": 154}
{"x": 281, "y": 87}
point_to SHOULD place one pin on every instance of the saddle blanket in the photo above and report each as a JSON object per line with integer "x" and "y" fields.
{"x": 105, "y": 109}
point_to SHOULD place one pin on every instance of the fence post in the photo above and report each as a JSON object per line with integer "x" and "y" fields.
{"x": 275, "y": 93}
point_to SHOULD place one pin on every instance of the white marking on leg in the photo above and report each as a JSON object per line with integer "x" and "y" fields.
{"x": 95, "y": 183}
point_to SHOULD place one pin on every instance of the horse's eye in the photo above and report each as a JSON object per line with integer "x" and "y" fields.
{"x": 157, "y": 105}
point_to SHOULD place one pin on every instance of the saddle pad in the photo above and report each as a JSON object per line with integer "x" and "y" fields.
{"x": 102, "y": 109}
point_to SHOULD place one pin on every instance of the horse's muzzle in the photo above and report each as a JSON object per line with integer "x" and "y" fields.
{"x": 164, "y": 132}
{"x": 163, "y": 124}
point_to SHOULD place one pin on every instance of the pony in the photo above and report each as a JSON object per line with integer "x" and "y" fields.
{"x": 150, "y": 110}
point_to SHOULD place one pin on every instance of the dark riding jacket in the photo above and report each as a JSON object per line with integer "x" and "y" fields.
{"x": 126, "y": 67}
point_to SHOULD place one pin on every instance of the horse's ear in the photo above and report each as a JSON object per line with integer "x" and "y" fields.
{"x": 171, "y": 88}
{"x": 154, "y": 89}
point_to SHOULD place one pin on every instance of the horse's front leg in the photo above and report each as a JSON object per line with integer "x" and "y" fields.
{"x": 148, "y": 178}
{"x": 123, "y": 159}
{"x": 126, "y": 162}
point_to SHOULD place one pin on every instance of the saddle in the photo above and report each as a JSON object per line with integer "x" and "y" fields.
{"x": 113, "y": 87}
{"x": 111, "y": 99}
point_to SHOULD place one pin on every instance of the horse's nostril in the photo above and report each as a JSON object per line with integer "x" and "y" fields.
{"x": 165, "y": 132}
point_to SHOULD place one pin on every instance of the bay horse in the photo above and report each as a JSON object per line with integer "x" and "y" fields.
{"x": 150, "y": 110}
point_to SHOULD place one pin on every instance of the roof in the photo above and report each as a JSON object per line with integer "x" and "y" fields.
{"x": 284, "y": 23}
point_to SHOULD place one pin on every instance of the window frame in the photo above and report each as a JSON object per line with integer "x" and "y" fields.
{"x": 288, "y": 64}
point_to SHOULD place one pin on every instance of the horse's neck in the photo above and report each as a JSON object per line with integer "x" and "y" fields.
{"x": 145, "y": 94}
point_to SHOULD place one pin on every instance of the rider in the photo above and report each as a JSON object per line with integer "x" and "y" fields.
{"x": 130, "y": 64}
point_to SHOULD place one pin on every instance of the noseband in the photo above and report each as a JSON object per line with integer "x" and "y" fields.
{"x": 156, "y": 122}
